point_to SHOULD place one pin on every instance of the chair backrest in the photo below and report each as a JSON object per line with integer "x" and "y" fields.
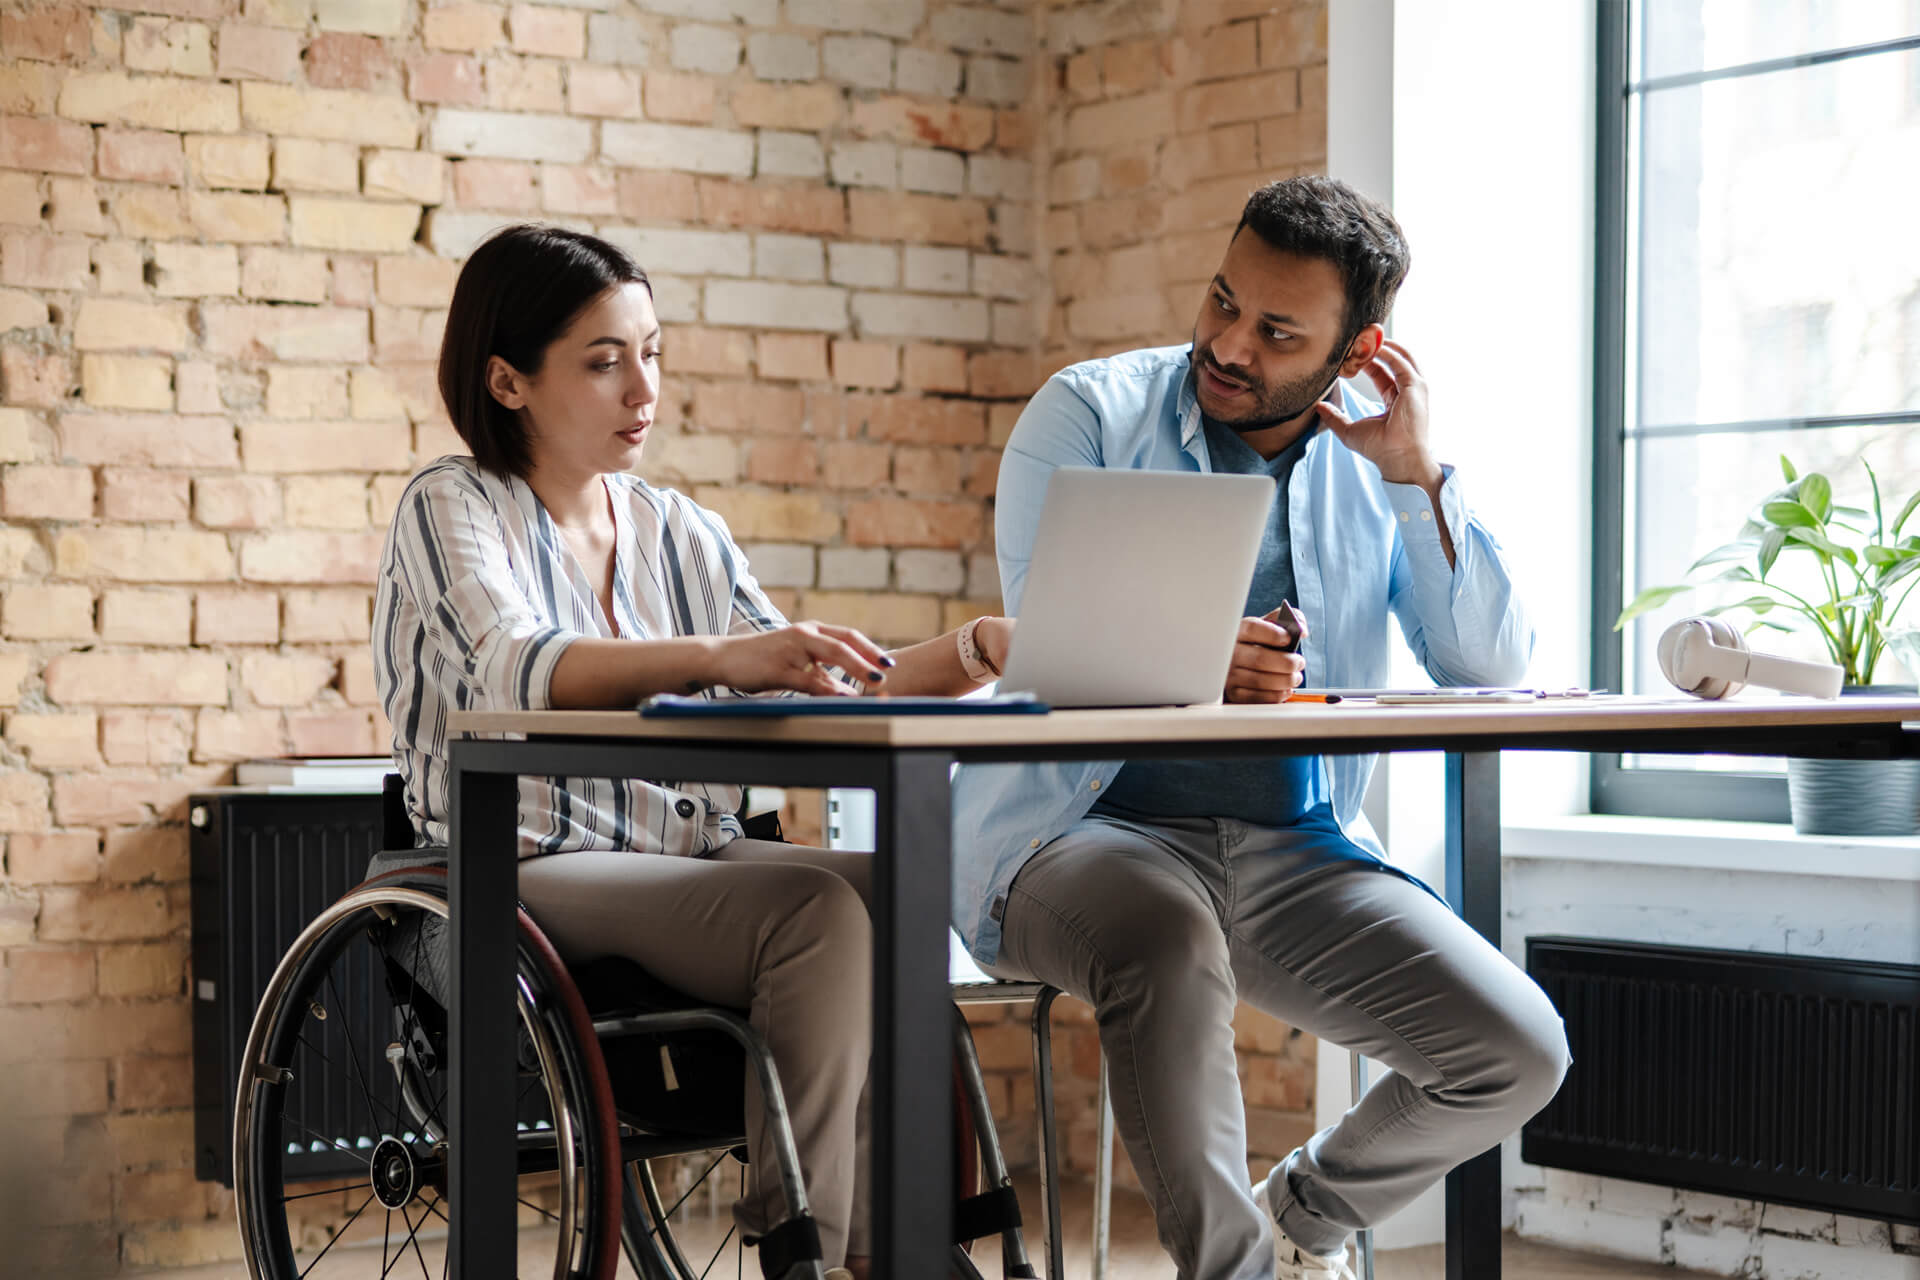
{"x": 396, "y": 826}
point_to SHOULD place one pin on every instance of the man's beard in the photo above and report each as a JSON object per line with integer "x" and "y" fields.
{"x": 1272, "y": 405}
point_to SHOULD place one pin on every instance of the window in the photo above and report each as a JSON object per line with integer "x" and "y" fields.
{"x": 1756, "y": 288}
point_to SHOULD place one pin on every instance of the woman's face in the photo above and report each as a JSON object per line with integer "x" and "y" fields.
{"x": 589, "y": 408}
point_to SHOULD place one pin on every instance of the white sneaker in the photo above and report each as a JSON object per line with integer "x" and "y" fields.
{"x": 1290, "y": 1261}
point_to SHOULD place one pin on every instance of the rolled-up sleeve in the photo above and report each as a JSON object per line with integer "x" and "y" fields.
{"x": 451, "y": 554}
{"x": 1465, "y": 623}
{"x": 1058, "y": 428}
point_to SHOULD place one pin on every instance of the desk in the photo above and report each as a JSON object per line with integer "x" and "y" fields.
{"x": 905, "y": 760}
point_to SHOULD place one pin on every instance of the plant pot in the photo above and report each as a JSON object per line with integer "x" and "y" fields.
{"x": 1856, "y": 797}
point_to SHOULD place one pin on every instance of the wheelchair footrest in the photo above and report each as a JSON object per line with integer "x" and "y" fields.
{"x": 988, "y": 1214}
{"x": 794, "y": 1241}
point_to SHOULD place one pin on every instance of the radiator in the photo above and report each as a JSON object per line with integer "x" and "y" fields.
{"x": 1764, "y": 1077}
{"x": 263, "y": 865}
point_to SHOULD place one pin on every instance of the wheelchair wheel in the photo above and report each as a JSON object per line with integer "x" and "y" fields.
{"x": 340, "y": 1131}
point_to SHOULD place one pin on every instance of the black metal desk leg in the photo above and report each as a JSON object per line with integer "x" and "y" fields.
{"x": 912, "y": 1094}
{"x": 1473, "y": 890}
{"x": 481, "y": 893}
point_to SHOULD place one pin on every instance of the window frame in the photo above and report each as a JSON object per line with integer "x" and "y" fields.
{"x": 1615, "y": 788}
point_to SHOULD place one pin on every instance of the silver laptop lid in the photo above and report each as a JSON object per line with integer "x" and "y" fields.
{"x": 1138, "y": 580}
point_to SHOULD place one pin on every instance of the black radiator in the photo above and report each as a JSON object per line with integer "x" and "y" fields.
{"x": 263, "y": 865}
{"x": 1765, "y": 1077}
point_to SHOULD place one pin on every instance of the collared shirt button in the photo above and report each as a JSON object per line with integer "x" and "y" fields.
{"x": 683, "y": 807}
{"x": 1426, "y": 515}
{"x": 1033, "y": 844}
{"x": 1095, "y": 786}
{"x": 1403, "y": 517}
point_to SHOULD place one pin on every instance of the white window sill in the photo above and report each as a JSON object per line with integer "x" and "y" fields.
{"x": 1765, "y": 848}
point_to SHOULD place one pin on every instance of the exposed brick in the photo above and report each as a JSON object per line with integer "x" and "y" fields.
{"x": 285, "y": 680}
{"x": 237, "y": 735}
{"x": 154, "y": 102}
{"x": 799, "y": 357}
{"x": 809, "y": 107}
{"x": 23, "y": 803}
{"x": 369, "y": 17}
{"x": 239, "y": 163}
{"x": 908, "y": 522}
{"x": 889, "y": 215}
{"x": 58, "y": 741}
{"x": 812, "y": 210}
{"x": 370, "y": 119}
{"x": 143, "y": 554}
{"x": 129, "y": 616}
{"x": 959, "y": 126}
{"x": 280, "y": 275}
{"x": 40, "y": 378}
{"x": 602, "y": 91}
{"x": 446, "y": 79}
{"x": 47, "y": 493}
{"x": 903, "y": 315}
{"x": 470, "y": 28}
{"x": 47, "y": 35}
{"x": 360, "y": 226}
{"x": 325, "y": 502}
{"x": 32, "y": 261}
{"x": 1255, "y": 97}
{"x": 154, "y": 440}
{"x": 331, "y": 733}
{"x": 143, "y": 969}
{"x": 47, "y": 611}
{"x": 756, "y": 515}
{"x": 310, "y": 557}
{"x": 150, "y": 213}
{"x": 248, "y": 219}
{"x": 339, "y": 60}
{"x": 119, "y": 267}
{"x": 776, "y": 306}
{"x": 250, "y": 52}
{"x": 525, "y": 85}
{"x": 137, "y": 679}
{"x": 144, "y": 496}
{"x": 865, "y": 364}
{"x": 683, "y": 99}
{"x": 308, "y": 164}
{"x": 406, "y": 175}
{"x": 935, "y": 367}
{"x": 170, "y": 48}
{"x": 327, "y": 617}
{"x": 236, "y": 502}
{"x": 106, "y": 324}
{"x": 553, "y": 33}
{"x": 137, "y": 155}
{"x": 97, "y": 914}
{"x": 792, "y": 461}
{"x": 512, "y": 137}
{"x": 569, "y": 188}
{"x": 332, "y": 334}
{"x": 236, "y": 617}
{"x": 196, "y": 271}
{"x": 927, "y": 471}
{"x": 885, "y": 618}
{"x": 126, "y": 382}
{"x": 43, "y": 975}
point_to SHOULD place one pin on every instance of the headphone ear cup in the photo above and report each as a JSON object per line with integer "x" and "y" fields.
{"x": 1685, "y": 642}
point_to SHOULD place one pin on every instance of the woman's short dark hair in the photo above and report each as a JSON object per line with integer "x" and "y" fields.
{"x": 1319, "y": 217}
{"x": 519, "y": 291}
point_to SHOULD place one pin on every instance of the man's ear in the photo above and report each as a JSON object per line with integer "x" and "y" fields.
{"x": 1364, "y": 347}
{"x": 505, "y": 384}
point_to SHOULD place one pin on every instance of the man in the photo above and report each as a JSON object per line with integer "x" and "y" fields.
{"x": 1161, "y": 892}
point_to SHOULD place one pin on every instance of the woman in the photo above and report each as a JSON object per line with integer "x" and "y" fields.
{"x": 539, "y": 573}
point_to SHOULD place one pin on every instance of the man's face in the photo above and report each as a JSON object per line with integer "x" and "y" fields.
{"x": 1264, "y": 346}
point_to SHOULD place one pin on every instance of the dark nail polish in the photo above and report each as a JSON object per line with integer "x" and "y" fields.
{"x": 875, "y": 676}
{"x": 886, "y": 661}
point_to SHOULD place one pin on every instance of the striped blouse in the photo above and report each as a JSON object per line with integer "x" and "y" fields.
{"x": 478, "y": 595}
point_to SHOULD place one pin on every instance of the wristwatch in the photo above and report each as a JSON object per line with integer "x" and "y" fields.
{"x": 973, "y": 655}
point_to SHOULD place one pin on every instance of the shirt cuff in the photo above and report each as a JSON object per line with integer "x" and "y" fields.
{"x": 1419, "y": 528}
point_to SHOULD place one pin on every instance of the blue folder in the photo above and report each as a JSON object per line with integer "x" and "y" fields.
{"x": 672, "y": 706}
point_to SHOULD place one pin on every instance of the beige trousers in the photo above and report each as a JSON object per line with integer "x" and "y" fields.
{"x": 778, "y": 930}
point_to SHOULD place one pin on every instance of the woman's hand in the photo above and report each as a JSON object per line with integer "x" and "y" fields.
{"x": 1263, "y": 670}
{"x": 797, "y": 657}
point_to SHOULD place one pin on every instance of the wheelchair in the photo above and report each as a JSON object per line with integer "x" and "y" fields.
{"x": 631, "y": 1102}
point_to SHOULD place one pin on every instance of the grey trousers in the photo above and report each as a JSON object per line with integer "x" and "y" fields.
{"x": 779, "y": 930}
{"x": 1162, "y": 928}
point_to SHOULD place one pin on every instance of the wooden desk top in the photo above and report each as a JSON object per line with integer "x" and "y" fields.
{"x": 1351, "y": 720}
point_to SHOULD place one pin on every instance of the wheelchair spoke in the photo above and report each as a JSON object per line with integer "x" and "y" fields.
{"x": 353, "y": 1056}
{"x": 433, "y": 1207}
{"x": 695, "y": 1187}
{"x": 336, "y": 1239}
{"x": 411, "y": 1022}
{"x": 717, "y": 1252}
{"x": 537, "y": 1209}
{"x": 332, "y": 1065}
{"x": 308, "y": 1195}
{"x": 333, "y": 1143}
{"x": 386, "y": 1233}
{"x": 413, "y": 1238}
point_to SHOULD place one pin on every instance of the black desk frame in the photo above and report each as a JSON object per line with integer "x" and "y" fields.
{"x": 911, "y": 1084}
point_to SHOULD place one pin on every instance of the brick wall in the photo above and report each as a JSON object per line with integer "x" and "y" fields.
{"x": 228, "y": 230}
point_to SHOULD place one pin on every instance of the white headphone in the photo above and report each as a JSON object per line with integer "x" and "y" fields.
{"x": 1709, "y": 659}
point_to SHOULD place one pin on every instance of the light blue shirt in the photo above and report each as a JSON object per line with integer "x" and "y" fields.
{"x": 1363, "y": 549}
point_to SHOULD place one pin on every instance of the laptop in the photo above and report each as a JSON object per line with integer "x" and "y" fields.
{"x": 1137, "y": 586}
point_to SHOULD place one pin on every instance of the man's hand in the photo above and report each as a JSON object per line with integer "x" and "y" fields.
{"x": 797, "y": 657}
{"x": 1395, "y": 439}
{"x": 1263, "y": 669}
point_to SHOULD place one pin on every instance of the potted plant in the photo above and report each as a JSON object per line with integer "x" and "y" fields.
{"x": 1866, "y": 567}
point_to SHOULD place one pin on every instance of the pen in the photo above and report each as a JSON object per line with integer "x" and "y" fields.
{"x": 1328, "y": 698}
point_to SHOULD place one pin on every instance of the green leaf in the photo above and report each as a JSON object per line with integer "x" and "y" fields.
{"x": 1788, "y": 514}
{"x": 1900, "y": 572}
{"x": 1720, "y": 555}
{"x": 1879, "y": 516}
{"x": 1900, "y": 520}
{"x": 1879, "y": 556}
{"x": 1816, "y": 495}
{"x": 1759, "y": 604}
{"x": 1786, "y": 469}
{"x": 1852, "y": 513}
{"x": 1651, "y": 598}
{"x": 1770, "y": 547}
{"x": 1823, "y": 544}
{"x": 1735, "y": 573}
{"x": 1767, "y": 625}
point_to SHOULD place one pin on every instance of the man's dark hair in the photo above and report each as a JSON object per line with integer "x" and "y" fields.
{"x": 1320, "y": 217}
{"x": 518, "y": 292}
